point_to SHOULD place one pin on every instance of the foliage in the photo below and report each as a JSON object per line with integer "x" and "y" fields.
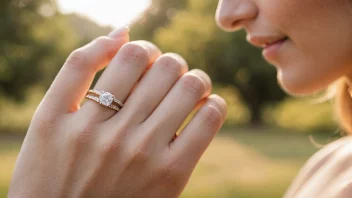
{"x": 237, "y": 112}
{"x": 19, "y": 115}
{"x": 30, "y": 37}
{"x": 159, "y": 14}
{"x": 35, "y": 40}
{"x": 305, "y": 115}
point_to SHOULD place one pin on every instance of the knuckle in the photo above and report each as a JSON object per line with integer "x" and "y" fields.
{"x": 169, "y": 174}
{"x": 193, "y": 84}
{"x": 46, "y": 120}
{"x": 220, "y": 102}
{"x": 76, "y": 59}
{"x": 113, "y": 145}
{"x": 103, "y": 41}
{"x": 48, "y": 114}
{"x": 171, "y": 63}
{"x": 82, "y": 135}
{"x": 140, "y": 154}
{"x": 135, "y": 53}
{"x": 204, "y": 76}
{"x": 44, "y": 125}
{"x": 107, "y": 44}
{"x": 108, "y": 149}
{"x": 212, "y": 116}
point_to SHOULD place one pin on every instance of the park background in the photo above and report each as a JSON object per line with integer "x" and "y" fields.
{"x": 267, "y": 135}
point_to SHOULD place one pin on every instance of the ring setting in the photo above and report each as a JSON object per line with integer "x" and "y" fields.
{"x": 104, "y": 98}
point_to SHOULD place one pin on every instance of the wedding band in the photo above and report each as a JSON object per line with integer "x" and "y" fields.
{"x": 174, "y": 138}
{"x": 104, "y": 98}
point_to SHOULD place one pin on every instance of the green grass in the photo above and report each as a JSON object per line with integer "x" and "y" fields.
{"x": 248, "y": 163}
{"x": 241, "y": 163}
{"x": 279, "y": 143}
{"x": 8, "y": 160}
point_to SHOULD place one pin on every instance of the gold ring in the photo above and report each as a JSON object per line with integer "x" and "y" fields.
{"x": 104, "y": 98}
{"x": 174, "y": 138}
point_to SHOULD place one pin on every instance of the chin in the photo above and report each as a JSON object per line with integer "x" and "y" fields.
{"x": 297, "y": 85}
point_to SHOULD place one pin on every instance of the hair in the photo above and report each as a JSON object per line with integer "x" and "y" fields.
{"x": 342, "y": 90}
{"x": 343, "y": 104}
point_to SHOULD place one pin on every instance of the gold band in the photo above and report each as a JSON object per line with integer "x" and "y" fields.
{"x": 104, "y": 98}
{"x": 99, "y": 93}
{"x": 174, "y": 137}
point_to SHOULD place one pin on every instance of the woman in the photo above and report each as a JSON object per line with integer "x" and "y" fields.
{"x": 109, "y": 149}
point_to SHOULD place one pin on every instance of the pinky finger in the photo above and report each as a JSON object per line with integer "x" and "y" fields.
{"x": 200, "y": 131}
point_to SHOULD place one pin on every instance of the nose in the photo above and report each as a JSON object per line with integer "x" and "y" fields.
{"x": 232, "y": 15}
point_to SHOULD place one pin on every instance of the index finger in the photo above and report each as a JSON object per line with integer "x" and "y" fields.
{"x": 75, "y": 77}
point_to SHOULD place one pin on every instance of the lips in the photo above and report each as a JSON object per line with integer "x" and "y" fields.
{"x": 265, "y": 41}
{"x": 271, "y": 43}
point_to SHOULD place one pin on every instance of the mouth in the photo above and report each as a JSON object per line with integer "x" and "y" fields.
{"x": 271, "y": 49}
{"x": 274, "y": 42}
{"x": 271, "y": 45}
{"x": 265, "y": 41}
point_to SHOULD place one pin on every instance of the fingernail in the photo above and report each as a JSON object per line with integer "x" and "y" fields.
{"x": 119, "y": 32}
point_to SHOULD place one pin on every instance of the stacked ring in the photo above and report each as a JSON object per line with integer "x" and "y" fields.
{"x": 104, "y": 98}
{"x": 174, "y": 137}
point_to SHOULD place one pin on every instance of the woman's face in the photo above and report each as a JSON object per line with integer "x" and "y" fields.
{"x": 308, "y": 41}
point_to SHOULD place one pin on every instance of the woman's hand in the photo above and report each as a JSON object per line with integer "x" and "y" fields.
{"x": 94, "y": 151}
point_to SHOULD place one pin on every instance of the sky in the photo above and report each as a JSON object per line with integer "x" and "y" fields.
{"x": 116, "y": 13}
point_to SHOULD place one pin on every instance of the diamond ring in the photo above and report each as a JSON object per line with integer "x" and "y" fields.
{"x": 104, "y": 98}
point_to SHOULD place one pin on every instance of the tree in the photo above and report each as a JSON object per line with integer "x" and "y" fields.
{"x": 159, "y": 14}
{"x": 227, "y": 58}
{"x": 35, "y": 40}
{"x": 31, "y": 44}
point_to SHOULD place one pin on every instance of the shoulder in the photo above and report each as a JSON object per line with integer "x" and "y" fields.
{"x": 324, "y": 168}
{"x": 333, "y": 153}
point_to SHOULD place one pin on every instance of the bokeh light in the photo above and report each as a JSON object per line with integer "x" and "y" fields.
{"x": 105, "y": 12}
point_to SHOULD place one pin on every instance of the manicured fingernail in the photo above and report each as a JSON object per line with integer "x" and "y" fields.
{"x": 119, "y": 32}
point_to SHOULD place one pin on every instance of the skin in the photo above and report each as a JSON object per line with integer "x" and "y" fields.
{"x": 319, "y": 49}
{"x": 91, "y": 151}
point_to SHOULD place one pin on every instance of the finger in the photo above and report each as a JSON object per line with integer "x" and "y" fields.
{"x": 121, "y": 75}
{"x": 154, "y": 86}
{"x": 76, "y": 76}
{"x": 199, "y": 132}
{"x": 178, "y": 104}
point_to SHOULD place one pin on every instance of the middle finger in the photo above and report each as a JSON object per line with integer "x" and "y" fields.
{"x": 153, "y": 87}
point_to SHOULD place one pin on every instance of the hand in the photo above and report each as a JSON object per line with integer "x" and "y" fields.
{"x": 94, "y": 151}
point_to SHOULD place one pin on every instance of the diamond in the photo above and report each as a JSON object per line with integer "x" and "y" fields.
{"x": 106, "y": 98}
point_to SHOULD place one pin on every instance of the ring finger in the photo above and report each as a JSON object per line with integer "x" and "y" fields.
{"x": 121, "y": 75}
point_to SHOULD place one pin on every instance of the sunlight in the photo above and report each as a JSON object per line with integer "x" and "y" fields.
{"x": 115, "y": 13}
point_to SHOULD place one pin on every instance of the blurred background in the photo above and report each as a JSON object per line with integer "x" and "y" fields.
{"x": 267, "y": 136}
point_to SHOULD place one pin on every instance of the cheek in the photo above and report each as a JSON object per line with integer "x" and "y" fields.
{"x": 304, "y": 76}
{"x": 304, "y": 81}
{"x": 312, "y": 67}
{"x": 320, "y": 50}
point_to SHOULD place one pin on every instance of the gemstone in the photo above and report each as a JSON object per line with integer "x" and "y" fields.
{"x": 106, "y": 99}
